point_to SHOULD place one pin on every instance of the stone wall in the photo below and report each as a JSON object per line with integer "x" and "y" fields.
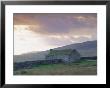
{"x": 74, "y": 57}
{"x": 31, "y": 64}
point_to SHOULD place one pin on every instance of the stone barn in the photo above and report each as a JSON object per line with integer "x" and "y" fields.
{"x": 66, "y": 55}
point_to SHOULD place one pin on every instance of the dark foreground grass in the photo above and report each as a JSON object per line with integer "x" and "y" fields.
{"x": 82, "y": 67}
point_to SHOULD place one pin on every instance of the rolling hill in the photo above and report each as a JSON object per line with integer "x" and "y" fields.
{"x": 86, "y": 49}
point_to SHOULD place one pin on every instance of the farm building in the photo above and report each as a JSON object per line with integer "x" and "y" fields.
{"x": 66, "y": 55}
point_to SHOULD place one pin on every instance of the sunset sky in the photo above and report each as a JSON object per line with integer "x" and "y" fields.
{"x": 43, "y": 31}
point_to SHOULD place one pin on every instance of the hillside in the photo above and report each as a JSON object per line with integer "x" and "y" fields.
{"x": 86, "y": 49}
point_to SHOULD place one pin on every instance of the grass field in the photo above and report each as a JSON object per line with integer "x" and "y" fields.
{"x": 82, "y": 67}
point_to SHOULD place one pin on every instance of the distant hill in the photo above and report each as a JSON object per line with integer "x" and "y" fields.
{"x": 30, "y": 56}
{"x": 86, "y": 49}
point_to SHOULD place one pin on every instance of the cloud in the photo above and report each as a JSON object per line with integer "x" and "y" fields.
{"x": 60, "y": 28}
{"x": 59, "y": 23}
{"x": 23, "y": 19}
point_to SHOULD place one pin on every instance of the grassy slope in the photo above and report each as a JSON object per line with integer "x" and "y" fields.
{"x": 82, "y": 67}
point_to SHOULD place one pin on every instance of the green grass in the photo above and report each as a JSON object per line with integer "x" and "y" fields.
{"x": 82, "y": 67}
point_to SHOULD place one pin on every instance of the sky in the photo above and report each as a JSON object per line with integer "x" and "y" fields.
{"x": 44, "y": 31}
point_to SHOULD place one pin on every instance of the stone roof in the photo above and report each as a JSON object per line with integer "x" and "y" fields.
{"x": 62, "y": 52}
